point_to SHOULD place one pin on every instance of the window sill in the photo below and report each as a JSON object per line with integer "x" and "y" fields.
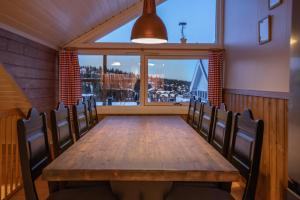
{"x": 142, "y": 110}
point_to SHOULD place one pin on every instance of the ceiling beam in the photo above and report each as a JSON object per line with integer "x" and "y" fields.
{"x": 111, "y": 24}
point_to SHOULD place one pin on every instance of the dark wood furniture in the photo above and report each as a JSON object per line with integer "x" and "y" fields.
{"x": 141, "y": 148}
{"x": 61, "y": 129}
{"x": 35, "y": 156}
{"x": 221, "y": 130}
{"x": 245, "y": 150}
{"x": 93, "y": 111}
{"x": 191, "y": 111}
{"x": 245, "y": 154}
{"x": 80, "y": 119}
{"x": 197, "y": 114}
{"x": 206, "y": 121}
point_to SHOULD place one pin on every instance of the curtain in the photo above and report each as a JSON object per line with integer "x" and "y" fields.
{"x": 215, "y": 78}
{"x": 69, "y": 77}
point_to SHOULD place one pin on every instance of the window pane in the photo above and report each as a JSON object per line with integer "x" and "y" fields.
{"x": 115, "y": 83}
{"x": 199, "y": 16}
{"x": 121, "y": 81}
{"x": 175, "y": 80}
{"x": 90, "y": 70}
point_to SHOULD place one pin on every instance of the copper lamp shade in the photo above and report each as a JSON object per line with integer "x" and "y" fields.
{"x": 149, "y": 28}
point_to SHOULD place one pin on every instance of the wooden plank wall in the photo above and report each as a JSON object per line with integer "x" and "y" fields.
{"x": 11, "y": 96}
{"x": 33, "y": 67}
{"x": 274, "y": 112}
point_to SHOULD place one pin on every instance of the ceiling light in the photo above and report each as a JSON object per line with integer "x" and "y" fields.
{"x": 149, "y": 28}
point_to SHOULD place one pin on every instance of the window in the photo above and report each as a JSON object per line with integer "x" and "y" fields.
{"x": 114, "y": 80}
{"x": 176, "y": 80}
{"x": 199, "y": 17}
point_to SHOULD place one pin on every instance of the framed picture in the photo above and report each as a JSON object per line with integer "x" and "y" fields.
{"x": 274, "y": 3}
{"x": 265, "y": 30}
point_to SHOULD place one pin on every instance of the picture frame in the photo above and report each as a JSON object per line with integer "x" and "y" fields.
{"x": 265, "y": 30}
{"x": 274, "y": 3}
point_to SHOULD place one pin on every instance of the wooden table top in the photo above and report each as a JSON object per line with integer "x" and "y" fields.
{"x": 141, "y": 148}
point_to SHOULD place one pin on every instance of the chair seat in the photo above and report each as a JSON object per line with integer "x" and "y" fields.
{"x": 190, "y": 192}
{"x": 91, "y": 193}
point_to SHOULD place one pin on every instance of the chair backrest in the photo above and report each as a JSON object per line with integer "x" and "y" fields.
{"x": 191, "y": 111}
{"x": 61, "y": 129}
{"x": 221, "y": 130}
{"x": 206, "y": 121}
{"x": 93, "y": 111}
{"x": 245, "y": 150}
{"x": 197, "y": 114}
{"x": 34, "y": 149}
{"x": 80, "y": 119}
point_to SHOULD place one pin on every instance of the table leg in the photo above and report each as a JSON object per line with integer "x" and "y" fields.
{"x": 136, "y": 190}
{"x": 225, "y": 186}
{"x": 53, "y": 186}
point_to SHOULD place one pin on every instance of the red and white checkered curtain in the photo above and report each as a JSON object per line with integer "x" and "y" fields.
{"x": 69, "y": 77}
{"x": 215, "y": 78}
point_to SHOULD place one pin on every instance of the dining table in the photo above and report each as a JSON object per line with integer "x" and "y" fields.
{"x": 137, "y": 151}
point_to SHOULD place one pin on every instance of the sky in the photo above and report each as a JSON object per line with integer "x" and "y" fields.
{"x": 200, "y": 18}
{"x": 180, "y": 69}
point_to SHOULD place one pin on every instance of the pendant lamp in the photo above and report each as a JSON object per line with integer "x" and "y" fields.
{"x": 149, "y": 28}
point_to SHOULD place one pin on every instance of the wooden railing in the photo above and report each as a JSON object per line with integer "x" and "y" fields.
{"x": 10, "y": 172}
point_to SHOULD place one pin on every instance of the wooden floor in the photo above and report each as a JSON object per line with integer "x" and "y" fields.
{"x": 42, "y": 189}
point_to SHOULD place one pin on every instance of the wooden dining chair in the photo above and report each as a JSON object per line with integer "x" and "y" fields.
{"x": 35, "y": 156}
{"x": 221, "y": 130}
{"x": 93, "y": 111}
{"x": 197, "y": 114}
{"x": 191, "y": 111}
{"x": 61, "y": 129}
{"x": 244, "y": 154}
{"x": 80, "y": 119}
{"x": 206, "y": 121}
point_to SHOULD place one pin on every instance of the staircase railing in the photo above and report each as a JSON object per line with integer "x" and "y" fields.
{"x": 10, "y": 172}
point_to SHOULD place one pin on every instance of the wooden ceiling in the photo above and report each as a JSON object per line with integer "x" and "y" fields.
{"x": 57, "y": 22}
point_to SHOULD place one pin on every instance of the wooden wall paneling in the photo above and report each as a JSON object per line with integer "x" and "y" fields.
{"x": 32, "y": 69}
{"x": 273, "y": 152}
{"x": 2, "y": 138}
{"x": 273, "y": 169}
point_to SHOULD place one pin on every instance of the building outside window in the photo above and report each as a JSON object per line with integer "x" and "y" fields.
{"x": 176, "y": 80}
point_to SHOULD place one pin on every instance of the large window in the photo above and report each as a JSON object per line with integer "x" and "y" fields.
{"x": 113, "y": 80}
{"x": 126, "y": 80}
{"x": 193, "y": 20}
{"x": 176, "y": 80}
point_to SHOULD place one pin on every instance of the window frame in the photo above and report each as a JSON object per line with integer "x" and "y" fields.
{"x": 144, "y": 108}
{"x": 105, "y": 57}
{"x": 166, "y": 57}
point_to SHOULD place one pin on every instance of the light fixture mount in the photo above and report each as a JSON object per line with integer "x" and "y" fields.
{"x": 149, "y": 28}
